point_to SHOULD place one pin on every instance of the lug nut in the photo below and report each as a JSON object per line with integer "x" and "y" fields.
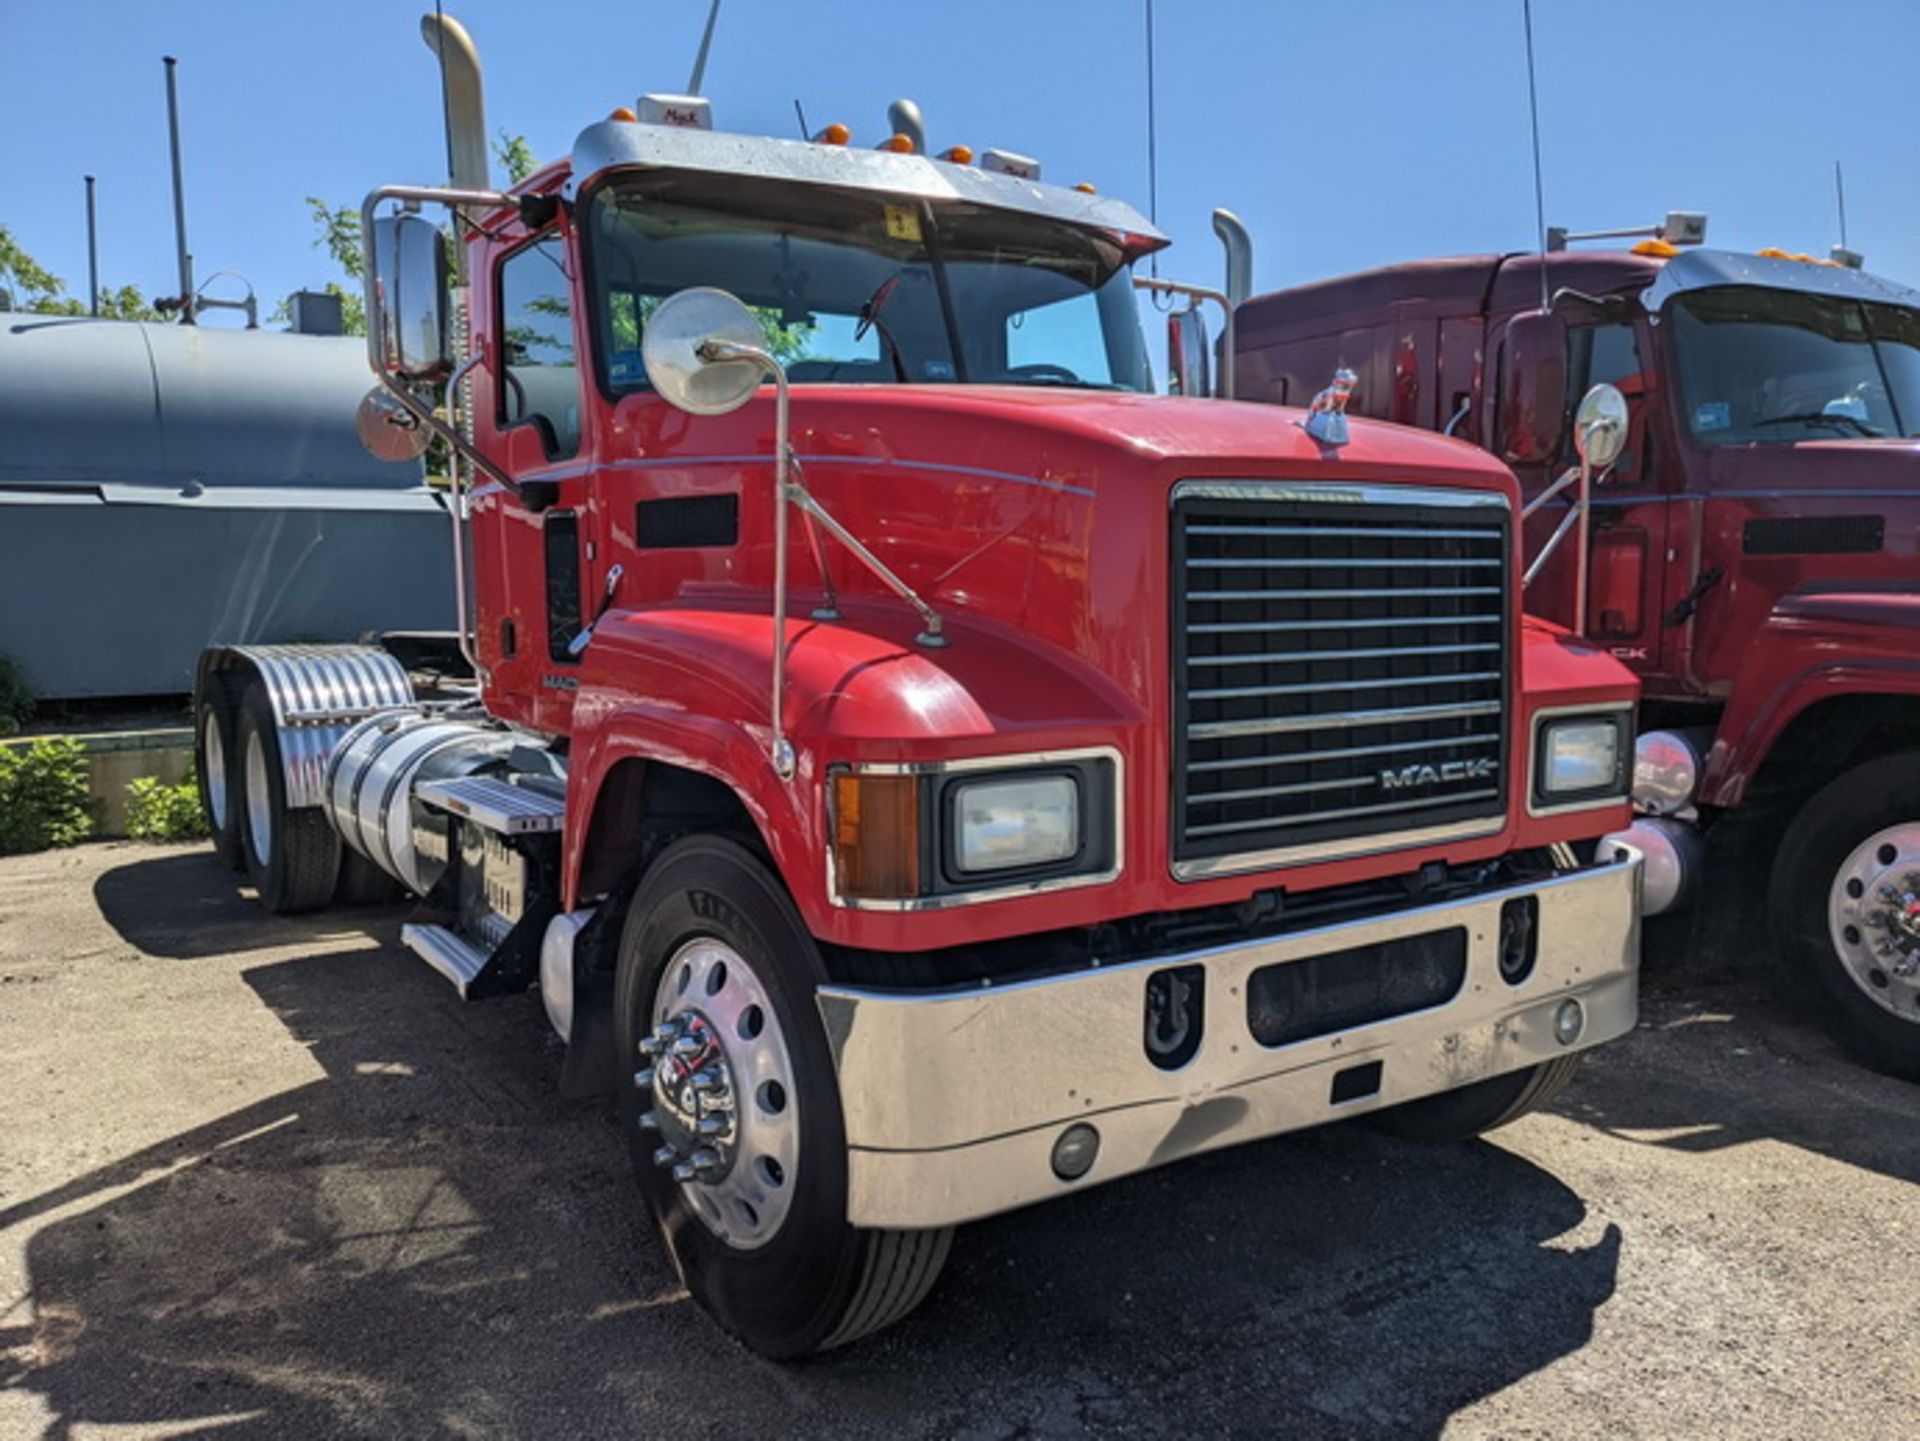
{"x": 710, "y": 1125}
{"x": 688, "y": 1046}
{"x": 649, "y": 1120}
{"x": 704, "y": 1160}
{"x": 665, "y": 1156}
{"x": 683, "y": 1172}
{"x": 703, "y": 1080}
{"x": 643, "y": 1078}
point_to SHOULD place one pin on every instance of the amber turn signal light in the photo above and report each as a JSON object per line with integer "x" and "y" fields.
{"x": 876, "y": 836}
{"x": 898, "y": 144}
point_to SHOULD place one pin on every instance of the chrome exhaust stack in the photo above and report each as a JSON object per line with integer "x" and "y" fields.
{"x": 466, "y": 105}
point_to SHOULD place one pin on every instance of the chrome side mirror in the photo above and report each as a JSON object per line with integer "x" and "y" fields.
{"x": 1600, "y": 427}
{"x": 387, "y": 429}
{"x": 691, "y": 349}
{"x": 1189, "y": 353}
{"x": 407, "y": 300}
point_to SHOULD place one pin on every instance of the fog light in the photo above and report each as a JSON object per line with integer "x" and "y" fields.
{"x": 1568, "y": 1022}
{"x": 1073, "y": 1153}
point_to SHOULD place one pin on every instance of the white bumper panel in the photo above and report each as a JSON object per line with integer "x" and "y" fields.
{"x": 954, "y": 1099}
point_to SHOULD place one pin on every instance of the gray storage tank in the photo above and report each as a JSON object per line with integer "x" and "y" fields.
{"x": 164, "y": 488}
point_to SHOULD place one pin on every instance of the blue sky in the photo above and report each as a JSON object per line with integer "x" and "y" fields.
{"x": 1345, "y": 135}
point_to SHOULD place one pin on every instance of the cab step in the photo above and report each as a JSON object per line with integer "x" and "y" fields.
{"x": 496, "y": 805}
{"x": 449, "y": 953}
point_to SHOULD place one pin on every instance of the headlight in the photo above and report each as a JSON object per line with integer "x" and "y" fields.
{"x": 1002, "y": 825}
{"x": 1580, "y": 758}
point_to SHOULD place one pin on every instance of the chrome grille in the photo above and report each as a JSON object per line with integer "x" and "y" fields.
{"x": 1340, "y": 667}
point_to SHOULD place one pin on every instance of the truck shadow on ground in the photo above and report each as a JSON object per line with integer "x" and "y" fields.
{"x": 429, "y": 1241}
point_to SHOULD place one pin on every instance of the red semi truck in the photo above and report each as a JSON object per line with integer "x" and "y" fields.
{"x": 1751, "y": 555}
{"x": 923, "y": 771}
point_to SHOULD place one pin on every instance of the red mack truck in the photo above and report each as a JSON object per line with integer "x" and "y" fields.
{"x": 923, "y": 771}
{"x": 1751, "y": 554}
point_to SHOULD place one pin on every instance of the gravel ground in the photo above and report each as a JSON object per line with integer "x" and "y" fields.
{"x": 265, "y": 1177}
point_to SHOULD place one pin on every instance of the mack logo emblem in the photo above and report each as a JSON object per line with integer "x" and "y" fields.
{"x": 1426, "y": 774}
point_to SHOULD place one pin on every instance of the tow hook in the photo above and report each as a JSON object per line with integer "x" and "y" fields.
{"x": 1175, "y": 1015}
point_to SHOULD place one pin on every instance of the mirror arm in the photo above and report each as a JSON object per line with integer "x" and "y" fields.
{"x": 457, "y": 509}
{"x": 1567, "y": 478}
{"x": 934, "y": 636}
{"x": 1198, "y": 293}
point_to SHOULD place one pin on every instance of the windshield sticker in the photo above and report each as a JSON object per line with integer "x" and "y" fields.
{"x": 903, "y": 223}
{"x": 936, "y": 370}
{"x": 1712, "y": 415}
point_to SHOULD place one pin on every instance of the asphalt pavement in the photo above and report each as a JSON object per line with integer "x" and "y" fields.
{"x": 269, "y": 1177}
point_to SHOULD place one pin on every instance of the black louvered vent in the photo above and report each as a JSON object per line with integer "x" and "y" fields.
{"x": 1340, "y": 665}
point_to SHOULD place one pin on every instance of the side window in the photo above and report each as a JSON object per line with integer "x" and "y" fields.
{"x": 1608, "y": 354}
{"x": 539, "y": 379}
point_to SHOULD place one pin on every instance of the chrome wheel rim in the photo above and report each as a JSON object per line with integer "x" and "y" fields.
{"x": 259, "y": 801}
{"x": 213, "y": 769}
{"x": 717, "y": 1075}
{"x": 1873, "y": 917}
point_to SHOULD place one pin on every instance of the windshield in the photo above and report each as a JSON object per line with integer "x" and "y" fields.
{"x": 1772, "y": 365}
{"x": 855, "y": 287}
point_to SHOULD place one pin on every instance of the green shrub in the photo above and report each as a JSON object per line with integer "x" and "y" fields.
{"x": 43, "y": 796}
{"x": 16, "y": 701}
{"x": 160, "y": 812}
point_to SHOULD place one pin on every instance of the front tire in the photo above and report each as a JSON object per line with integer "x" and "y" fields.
{"x": 1482, "y": 1106}
{"x": 1845, "y": 904}
{"x": 293, "y": 856}
{"x": 745, "y": 1170}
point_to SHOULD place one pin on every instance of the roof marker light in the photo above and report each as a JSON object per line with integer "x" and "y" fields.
{"x": 621, "y": 112}
{"x": 834, "y": 134}
{"x": 898, "y": 143}
{"x": 957, "y": 155}
{"x": 1086, "y": 189}
{"x": 1659, "y": 249}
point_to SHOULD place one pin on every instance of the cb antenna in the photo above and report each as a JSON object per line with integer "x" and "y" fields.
{"x": 1153, "y": 158}
{"x": 706, "y": 44}
{"x": 1840, "y": 200}
{"x": 1539, "y": 185}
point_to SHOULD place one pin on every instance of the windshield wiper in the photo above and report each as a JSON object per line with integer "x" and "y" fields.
{"x": 1821, "y": 417}
{"x": 870, "y": 320}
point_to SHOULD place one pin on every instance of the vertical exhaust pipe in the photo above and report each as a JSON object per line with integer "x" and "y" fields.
{"x": 464, "y": 101}
{"x": 93, "y": 257}
{"x": 1239, "y": 247}
{"x": 905, "y": 118}
{"x": 179, "y": 195}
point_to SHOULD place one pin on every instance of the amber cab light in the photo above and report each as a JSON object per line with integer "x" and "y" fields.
{"x": 898, "y": 144}
{"x": 876, "y": 836}
{"x": 958, "y": 154}
{"x": 834, "y": 134}
{"x": 621, "y": 112}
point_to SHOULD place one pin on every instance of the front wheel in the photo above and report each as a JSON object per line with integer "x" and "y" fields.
{"x": 1482, "y": 1106}
{"x": 733, "y": 1111}
{"x": 1845, "y": 903}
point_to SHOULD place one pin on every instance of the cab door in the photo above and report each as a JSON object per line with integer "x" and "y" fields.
{"x": 1630, "y": 524}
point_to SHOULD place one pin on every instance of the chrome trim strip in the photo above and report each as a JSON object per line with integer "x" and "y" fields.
{"x": 1346, "y": 753}
{"x": 1265, "y": 823}
{"x": 1375, "y": 653}
{"x": 1533, "y": 750}
{"x": 1018, "y": 761}
{"x": 930, "y": 1143}
{"x": 1336, "y": 494}
{"x": 1206, "y": 867}
{"x": 1241, "y": 627}
{"x": 1414, "y": 682}
{"x": 939, "y": 467}
{"x": 1362, "y": 532}
{"x": 1287, "y": 562}
{"x": 1409, "y": 592}
{"x": 1340, "y": 720}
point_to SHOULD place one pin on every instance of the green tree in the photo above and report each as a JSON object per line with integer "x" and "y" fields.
{"x": 514, "y": 156}
{"x": 39, "y": 290}
{"x": 336, "y": 231}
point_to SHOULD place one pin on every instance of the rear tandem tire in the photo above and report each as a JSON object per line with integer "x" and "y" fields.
{"x": 293, "y": 856}
{"x": 811, "y": 1282}
{"x": 1482, "y": 1106}
{"x": 216, "y": 771}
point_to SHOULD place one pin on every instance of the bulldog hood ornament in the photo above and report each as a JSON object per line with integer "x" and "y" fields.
{"x": 1327, "y": 415}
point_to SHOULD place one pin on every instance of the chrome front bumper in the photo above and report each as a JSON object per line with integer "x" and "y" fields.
{"x": 954, "y": 1099}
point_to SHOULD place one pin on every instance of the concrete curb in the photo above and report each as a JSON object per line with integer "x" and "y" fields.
{"x": 116, "y": 758}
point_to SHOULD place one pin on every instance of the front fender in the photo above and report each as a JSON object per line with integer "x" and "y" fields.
{"x": 692, "y": 687}
{"x": 1814, "y": 646}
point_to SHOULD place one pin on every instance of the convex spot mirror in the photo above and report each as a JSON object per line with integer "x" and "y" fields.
{"x": 1188, "y": 351}
{"x": 388, "y": 429}
{"x": 407, "y": 299}
{"x": 1600, "y": 427}
{"x": 678, "y": 347}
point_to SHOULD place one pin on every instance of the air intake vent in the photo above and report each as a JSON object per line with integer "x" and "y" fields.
{"x": 1340, "y": 669}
